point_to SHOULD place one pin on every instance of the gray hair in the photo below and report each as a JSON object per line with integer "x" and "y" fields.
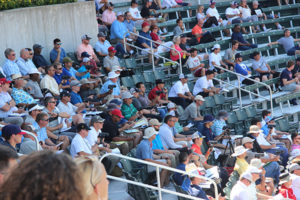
{"x": 176, "y": 38}
{"x": 7, "y": 52}
{"x": 22, "y": 52}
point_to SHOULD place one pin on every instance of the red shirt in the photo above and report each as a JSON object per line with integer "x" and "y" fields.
{"x": 197, "y": 30}
{"x": 196, "y": 149}
{"x": 287, "y": 192}
{"x": 152, "y": 94}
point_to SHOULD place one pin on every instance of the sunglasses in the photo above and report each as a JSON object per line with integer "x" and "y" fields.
{"x": 46, "y": 120}
{"x": 52, "y": 101}
{"x": 31, "y": 54}
{"x": 58, "y": 43}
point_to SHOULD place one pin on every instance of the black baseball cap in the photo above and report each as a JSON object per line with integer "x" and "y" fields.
{"x": 159, "y": 81}
{"x": 82, "y": 126}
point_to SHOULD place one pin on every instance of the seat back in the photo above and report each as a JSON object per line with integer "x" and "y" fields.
{"x": 219, "y": 99}
{"x": 159, "y": 74}
{"x": 130, "y": 63}
{"x": 232, "y": 118}
{"x": 149, "y": 77}
{"x": 209, "y": 102}
{"x": 138, "y": 78}
{"x": 241, "y": 114}
{"x": 127, "y": 81}
{"x": 251, "y": 111}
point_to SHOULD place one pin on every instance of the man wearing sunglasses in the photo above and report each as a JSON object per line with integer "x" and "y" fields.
{"x": 10, "y": 66}
{"x": 57, "y": 54}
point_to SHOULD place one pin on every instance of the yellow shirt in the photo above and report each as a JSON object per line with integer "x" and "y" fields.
{"x": 241, "y": 165}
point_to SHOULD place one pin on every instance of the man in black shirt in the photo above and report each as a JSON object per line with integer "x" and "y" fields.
{"x": 146, "y": 11}
{"x": 111, "y": 127}
{"x": 38, "y": 59}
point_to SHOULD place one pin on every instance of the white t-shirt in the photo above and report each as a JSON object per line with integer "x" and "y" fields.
{"x": 4, "y": 98}
{"x": 168, "y": 3}
{"x": 178, "y": 88}
{"x": 69, "y": 108}
{"x": 200, "y": 16}
{"x": 261, "y": 140}
{"x": 213, "y": 12}
{"x": 201, "y": 83}
{"x": 193, "y": 62}
{"x": 135, "y": 13}
{"x": 92, "y": 136}
{"x": 232, "y": 11}
{"x": 214, "y": 58}
{"x": 239, "y": 192}
{"x": 296, "y": 185}
{"x": 246, "y": 12}
{"x": 80, "y": 144}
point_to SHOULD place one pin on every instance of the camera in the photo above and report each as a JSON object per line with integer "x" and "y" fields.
{"x": 211, "y": 143}
{"x": 103, "y": 135}
{"x": 259, "y": 155}
{"x": 271, "y": 126}
{"x": 226, "y": 130}
{"x": 110, "y": 87}
{"x": 65, "y": 77}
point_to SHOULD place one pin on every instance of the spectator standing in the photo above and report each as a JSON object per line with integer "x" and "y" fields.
{"x": 10, "y": 66}
{"x": 57, "y": 54}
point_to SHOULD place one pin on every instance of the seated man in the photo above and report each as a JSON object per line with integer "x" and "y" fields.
{"x": 229, "y": 57}
{"x": 288, "y": 43}
{"x": 180, "y": 93}
{"x": 287, "y": 82}
{"x": 262, "y": 68}
{"x": 24, "y": 63}
{"x": 240, "y": 189}
{"x": 8, "y": 159}
{"x": 38, "y": 59}
{"x": 184, "y": 159}
{"x": 192, "y": 112}
{"x": 12, "y": 135}
{"x": 296, "y": 141}
{"x": 66, "y": 106}
{"x": 134, "y": 11}
{"x": 102, "y": 45}
{"x": 144, "y": 151}
{"x": 10, "y": 67}
{"x": 204, "y": 85}
{"x": 62, "y": 76}
{"x": 58, "y": 53}
{"x": 295, "y": 176}
{"x": 110, "y": 60}
{"x": 68, "y": 67}
{"x": 33, "y": 84}
{"x": 28, "y": 144}
{"x": 194, "y": 64}
{"x": 202, "y": 36}
{"x": 243, "y": 44}
{"x": 196, "y": 148}
{"x": 21, "y": 97}
{"x": 159, "y": 94}
{"x": 86, "y": 47}
{"x": 215, "y": 59}
{"x": 244, "y": 70}
{"x": 48, "y": 82}
{"x": 111, "y": 85}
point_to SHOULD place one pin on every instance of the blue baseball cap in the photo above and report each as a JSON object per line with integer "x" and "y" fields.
{"x": 208, "y": 118}
{"x": 85, "y": 55}
{"x": 10, "y": 130}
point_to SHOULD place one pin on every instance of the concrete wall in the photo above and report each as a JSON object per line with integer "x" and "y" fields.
{"x": 20, "y": 28}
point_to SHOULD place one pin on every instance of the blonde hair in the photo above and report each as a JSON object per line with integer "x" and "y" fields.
{"x": 92, "y": 172}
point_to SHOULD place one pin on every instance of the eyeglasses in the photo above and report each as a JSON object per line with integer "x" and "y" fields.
{"x": 58, "y": 43}
{"x": 52, "y": 101}
{"x": 46, "y": 120}
{"x": 13, "y": 54}
{"x": 59, "y": 68}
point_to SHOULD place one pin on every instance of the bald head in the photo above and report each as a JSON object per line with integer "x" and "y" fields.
{"x": 24, "y": 53}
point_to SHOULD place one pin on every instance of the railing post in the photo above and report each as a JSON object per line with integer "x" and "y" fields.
{"x": 240, "y": 93}
{"x": 158, "y": 183}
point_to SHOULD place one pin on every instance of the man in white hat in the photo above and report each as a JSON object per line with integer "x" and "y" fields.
{"x": 111, "y": 85}
{"x": 240, "y": 190}
{"x": 215, "y": 59}
{"x": 272, "y": 167}
{"x": 145, "y": 152}
{"x": 33, "y": 111}
{"x": 192, "y": 112}
{"x": 158, "y": 147}
{"x": 295, "y": 176}
{"x": 33, "y": 84}
{"x": 241, "y": 164}
{"x": 180, "y": 93}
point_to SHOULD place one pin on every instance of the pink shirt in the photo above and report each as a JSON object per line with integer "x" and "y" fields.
{"x": 108, "y": 16}
{"x": 82, "y": 48}
{"x": 175, "y": 58}
{"x": 295, "y": 146}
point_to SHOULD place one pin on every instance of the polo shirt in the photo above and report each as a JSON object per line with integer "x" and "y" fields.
{"x": 41, "y": 132}
{"x": 75, "y": 98}
{"x": 116, "y": 90}
{"x": 197, "y": 30}
{"x": 285, "y": 74}
{"x": 178, "y": 177}
{"x": 191, "y": 112}
{"x": 39, "y": 61}
{"x": 53, "y": 55}
{"x": 109, "y": 62}
{"x": 68, "y": 108}
{"x": 85, "y": 48}
{"x": 152, "y": 94}
{"x": 141, "y": 41}
{"x": 178, "y": 88}
{"x": 202, "y": 83}
{"x": 58, "y": 77}
{"x": 10, "y": 68}
{"x": 144, "y": 150}
{"x": 157, "y": 143}
{"x": 102, "y": 47}
{"x": 80, "y": 144}
{"x": 110, "y": 127}
{"x": 72, "y": 71}
{"x": 28, "y": 146}
{"x": 130, "y": 25}
{"x": 128, "y": 110}
{"x": 144, "y": 100}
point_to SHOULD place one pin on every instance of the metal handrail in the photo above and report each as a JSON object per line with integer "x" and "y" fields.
{"x": 245, "y": 77}
{"x": 29, "y": 133}
{"x": 152, "y": 54}
{"x": 157, "y": 166}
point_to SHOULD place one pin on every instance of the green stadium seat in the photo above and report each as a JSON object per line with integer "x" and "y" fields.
{"x": 127, "y": 81}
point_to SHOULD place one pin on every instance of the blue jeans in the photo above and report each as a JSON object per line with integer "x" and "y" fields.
{"x": 273, "y": 171}
{"x": 284, "y": 156}
{"x": 244, "y": 48}
{"x": 162, "y": 112}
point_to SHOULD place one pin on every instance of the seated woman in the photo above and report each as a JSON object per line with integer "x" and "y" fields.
{"x": 174, "y": 55}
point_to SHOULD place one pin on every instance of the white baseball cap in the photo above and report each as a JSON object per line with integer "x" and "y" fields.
{"x": 247, "y": 175}
{"x": 126, "y": 95}
{"x": 149, "y": 132}
{"x": 85, "y": 59}
{"x": 36, "y": 107}
{"x": 34, "y": 71}
{"x": 199, "y": 97}
{"x": 216, "y": 46}
{"x": 254, "y": 170}
{"x": 113, "y": 75}
{"x": 171, "y": 105}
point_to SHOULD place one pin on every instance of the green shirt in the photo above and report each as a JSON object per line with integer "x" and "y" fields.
{"x": 128, "y": 110}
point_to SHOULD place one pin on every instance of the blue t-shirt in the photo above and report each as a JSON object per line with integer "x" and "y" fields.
{"x": 239, "y": 37}
{"x": 41, "y": 132}
{"x": 285, "y": 74}
{"x": 140, "y": 40}
{"x": 241, "y": 69}
{"x": 178, "y": 177}
{"x": 72, "y": 71}
{"x": 83, "y": 69}
{"x": 58, "y": 77}
{"x": 116, "y": 90}
{"x": 157, "y": 143}
{"x": 129, "y": 25}
{"x": 75, "y": 98}
{"x": 53, "y": 55}
{"x": 117, "y": 30}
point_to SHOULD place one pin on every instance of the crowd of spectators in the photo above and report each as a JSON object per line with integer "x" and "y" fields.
{"x": 85, "y": 111}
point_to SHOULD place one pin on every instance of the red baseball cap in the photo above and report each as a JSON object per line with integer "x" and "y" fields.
{"x": 4, "y": 80}
{"x": 117, "y": 112}
{"x": 145, "y": 24}
{"x": 112, "y": 49}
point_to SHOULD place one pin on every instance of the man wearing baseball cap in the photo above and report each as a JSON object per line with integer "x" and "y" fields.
{"x": 294, "y": 169}
{"x": 215, "y": 59}
{"x": 180, "y": 93}
{"x": 102, "y": 45}
{"x": 80, "y": 145}
{"x": 12, "y": 135}
{"x": 111, "y": 127}
{"x": 33, "y": 84}
{"x": 240, "y": 190}
{"x": 118, "y": 30}
{"x": 158, "y": 95}
{"x": 86, "y": 47}
{"x": 192, "y": 112}
{"x": 38, "y": 59}
{"x": 111, "y": 59}
{"x": 111, "y": 86}
{"x": 145, "y": 152}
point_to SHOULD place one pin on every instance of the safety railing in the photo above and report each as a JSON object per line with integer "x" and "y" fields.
{"x": 153, "y": 54}
{"x": 29, "y": 133}
{"x": 240, "y": 89}
{"x": 158, "y": 188}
